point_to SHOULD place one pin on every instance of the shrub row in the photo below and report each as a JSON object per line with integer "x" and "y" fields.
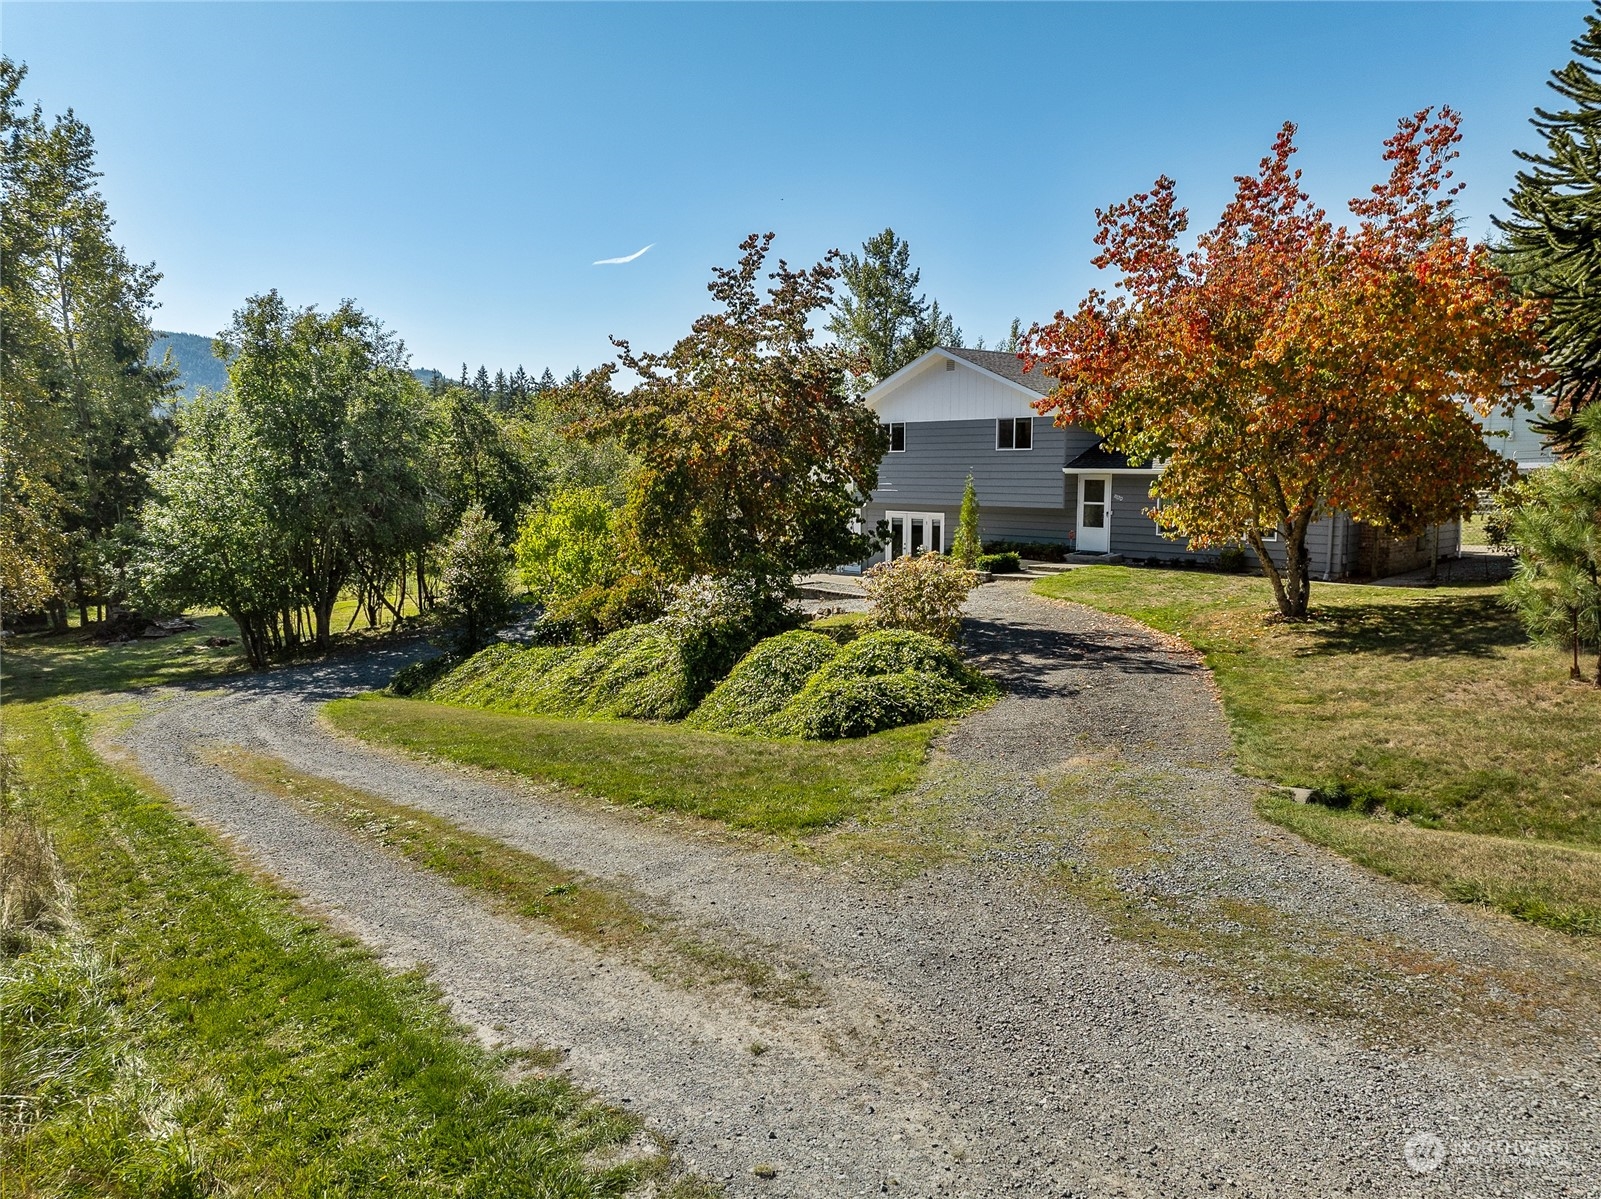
{"x": 1036, "y": 551}
{"x": 637, "y": 673}
{"x": 798, "y": 684}
{"x": 1000, "y": 564}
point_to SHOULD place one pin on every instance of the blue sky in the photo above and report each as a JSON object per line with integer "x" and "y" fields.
{"x": 455, "y": 168}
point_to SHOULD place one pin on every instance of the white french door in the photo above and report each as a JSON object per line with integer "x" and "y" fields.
{"x": 915, "y": 533}
{"x": 1095, "y": 514}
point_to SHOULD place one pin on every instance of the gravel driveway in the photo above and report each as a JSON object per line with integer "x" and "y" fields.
{"x": 1110, "y": 979}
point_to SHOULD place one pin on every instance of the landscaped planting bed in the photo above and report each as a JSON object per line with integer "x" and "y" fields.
{"x": 797, "y": 684}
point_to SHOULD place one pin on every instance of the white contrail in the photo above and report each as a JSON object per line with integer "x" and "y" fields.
{"x": 620, "y": 261}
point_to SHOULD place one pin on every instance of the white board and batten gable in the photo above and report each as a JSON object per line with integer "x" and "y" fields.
{"x": 952, "y": 385}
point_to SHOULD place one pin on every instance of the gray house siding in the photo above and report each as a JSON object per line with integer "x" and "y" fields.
{"x": 1330, "y": 543}
{"x": 939, "y": 455}
{"x": 1053, "y": 525}
{"x": 994, "y": 524}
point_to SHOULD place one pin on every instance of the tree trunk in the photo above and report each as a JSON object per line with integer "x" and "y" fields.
{"x": 253, "y": 636}
{"x": 1573, "y": 671}
{"x": 323, "y": 610}
{"x": 1292, "y": 587}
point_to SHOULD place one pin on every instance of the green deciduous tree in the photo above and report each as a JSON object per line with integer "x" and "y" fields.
{"x": 753, "y": 458}
{"x": 86, "y": 415}
{"x": 567, "y": 544}
{"x": 879, "y": 315}
{"x": 1552, "y": 245}
{"x": 1555, "y": 525}
{"x": 315, "y": 455}
{"x": 208, "y": 534}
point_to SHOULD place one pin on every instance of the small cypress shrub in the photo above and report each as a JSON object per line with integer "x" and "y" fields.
{"x": 965, "y": 545}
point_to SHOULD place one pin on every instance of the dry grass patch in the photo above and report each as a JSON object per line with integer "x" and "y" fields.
{"x": 1264, "y": 954}
{"x": 1554, "y": 885}
{"x": 596, "y": 913}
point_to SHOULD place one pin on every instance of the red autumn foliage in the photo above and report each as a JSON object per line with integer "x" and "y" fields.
{"x": 1287, "y": 368}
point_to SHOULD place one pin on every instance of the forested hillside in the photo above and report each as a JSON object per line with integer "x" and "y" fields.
{"x": 198, "y": 367}
{"x": 191, "y": 354}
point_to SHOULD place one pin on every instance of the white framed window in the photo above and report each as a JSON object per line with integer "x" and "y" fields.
{"x": 1014, "y": 433}
{"x": 1157, "y": 505}
{"x": 913, "y": 533}
{"x": 897, "y": 437}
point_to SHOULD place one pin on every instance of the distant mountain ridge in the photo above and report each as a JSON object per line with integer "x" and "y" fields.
{"x": 198, "y": 367}
{"x": 191, "y": 354}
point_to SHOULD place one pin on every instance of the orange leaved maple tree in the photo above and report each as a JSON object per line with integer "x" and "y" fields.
{"x": 1285, "y": 368}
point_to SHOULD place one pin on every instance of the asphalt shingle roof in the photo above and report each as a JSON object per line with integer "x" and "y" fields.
{"x": 1007, "y": 366}
{"x": 1098, "y": 457}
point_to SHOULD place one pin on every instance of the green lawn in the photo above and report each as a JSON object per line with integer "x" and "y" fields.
{"x": 1429, "y": 705}
{"x": 36, "y": 667}
{"x": 176, "y": 1027}
{"x": 747, "y": 782}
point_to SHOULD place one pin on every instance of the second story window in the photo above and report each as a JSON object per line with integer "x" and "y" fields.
{"x": 897, "y": 437}
{"x": 1014, "y": 433}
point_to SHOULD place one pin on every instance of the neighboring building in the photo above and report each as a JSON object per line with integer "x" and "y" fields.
{"x": 1515, "y": 437}
{"x": 956, "y": 412}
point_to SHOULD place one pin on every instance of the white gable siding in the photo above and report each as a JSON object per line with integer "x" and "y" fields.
{"x": 933, "y": 393}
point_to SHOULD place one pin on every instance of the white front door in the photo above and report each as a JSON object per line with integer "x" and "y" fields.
{"x": 915, "y": 533}
{"x": 1095, "y": 514}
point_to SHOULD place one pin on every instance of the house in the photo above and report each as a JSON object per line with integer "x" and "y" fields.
{"x": 955, "y": 412}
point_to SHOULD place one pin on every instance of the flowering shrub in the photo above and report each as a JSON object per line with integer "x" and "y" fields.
{"x": 923, "y": 593}
{"x": 716, "y": 620}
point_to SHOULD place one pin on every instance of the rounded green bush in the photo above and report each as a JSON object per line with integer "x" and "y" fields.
{"x": 828, "y": 709}
{"x": 648, "y": 680}
{"x": 893, "y": 651}
{"x": 502, "y": 676}
{"x": 763, "y": 681}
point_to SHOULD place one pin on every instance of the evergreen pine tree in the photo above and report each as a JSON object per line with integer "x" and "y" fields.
{"x": 1552, "y": 244}
{"x": 1554, "y": 517}
{"x": 481, "y": 384}
{"x": 546, "y": 381}
{"x": 879, "y": 314}
{"x": 965, "y": 546}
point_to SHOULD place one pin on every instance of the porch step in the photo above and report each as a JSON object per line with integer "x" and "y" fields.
{"x": 1072, "y": 560}
{"x": 1088, "y": 559}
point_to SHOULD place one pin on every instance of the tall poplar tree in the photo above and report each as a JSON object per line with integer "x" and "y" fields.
{"x": 74, "y": 364}
{"x": 1552, "y": 245}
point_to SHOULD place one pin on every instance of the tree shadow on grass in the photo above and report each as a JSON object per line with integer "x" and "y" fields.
{"x": 1439, "y": 626}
